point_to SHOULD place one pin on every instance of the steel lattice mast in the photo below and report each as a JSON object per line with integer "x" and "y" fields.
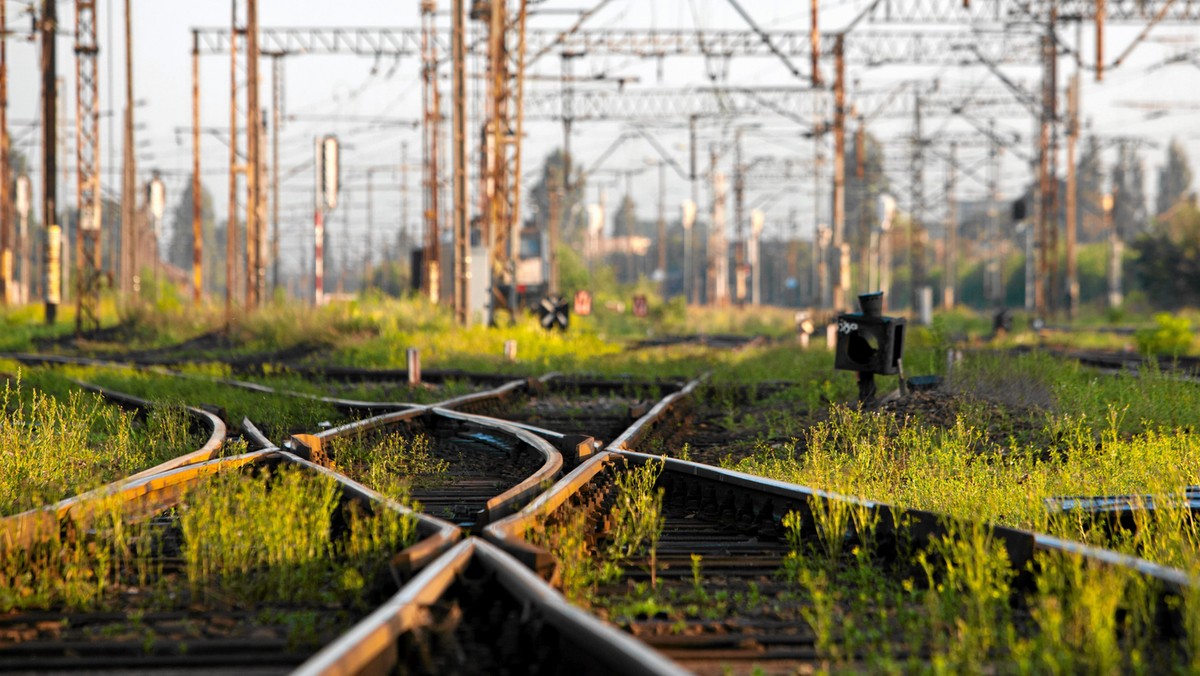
{"x": 87, "y": 127}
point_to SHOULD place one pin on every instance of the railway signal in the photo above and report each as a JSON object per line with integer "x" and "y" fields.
{"x": 869, "y": 343}
{"x": 641, "y": 307}
{"x": 554, "y": 313}
{"x": 583, "y": 302}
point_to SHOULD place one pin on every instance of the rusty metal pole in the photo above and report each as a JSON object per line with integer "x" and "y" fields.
{"x": 950, "y": 274}
{"x": 87, "y": 165}
{"x": 916, "y": 248}
{"x": 1072, "y": 205}
{"x": 814, "y": 37}
{"x": 690, "y": 278}
{"x": 864, "y": 223}
{"x": 7, "y": 255}
{"x": 739, "y": 221}
{"x": 253, "y": 160}
{"x": 1046, "y": 194}
{"x": 197, "y": 199}
{"x": 840, "y": 249}
{"x": 662, "y": 226}
{"x": 231, "y": 223}
{"x": 1101, "y": 11}
{"x": 48, "y": 27}
{"x": 431, "y": 263}
{"x": 462, "y": 234}
{"x": 276, "y": 121}
{"x": 129, "y": 234}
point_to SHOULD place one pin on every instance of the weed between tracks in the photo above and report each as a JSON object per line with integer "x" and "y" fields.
{"x": 631, "y": 530}
{"x": 391, "y": 463}
{"x": 277, "y": 541}
{"x": 52, "y": 448}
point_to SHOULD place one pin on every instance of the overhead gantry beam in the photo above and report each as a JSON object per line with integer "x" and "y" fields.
{"x": 659, "y": 104}
{"x": 1020, "y": 11}
{"x": 867, "y": 47}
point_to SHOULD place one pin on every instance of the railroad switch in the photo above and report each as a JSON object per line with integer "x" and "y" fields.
{"x": 869, "y": 343}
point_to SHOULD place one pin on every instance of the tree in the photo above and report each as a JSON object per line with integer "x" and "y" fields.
{"x": 863, "y": 193}
{"x": 550, "y": 182}
{"x": 179, "y": 249}
{"x": 1168, "y": 259}
{"x": 1174, "y": 179}
{"x": 1089, "y": 193}
{"x": 1129, "y": 186}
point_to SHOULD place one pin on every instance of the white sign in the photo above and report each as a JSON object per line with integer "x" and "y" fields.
{"x": 689, "y": 214}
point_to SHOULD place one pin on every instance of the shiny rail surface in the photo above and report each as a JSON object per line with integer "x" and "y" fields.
{"x": 150, "y": 498}
{"x": 524, "y": 625}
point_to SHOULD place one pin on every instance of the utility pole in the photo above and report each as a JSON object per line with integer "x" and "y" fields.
{"x": 432, "y": 262}
{"x": 662, "y": 226}
{"x": 231, "y": 224}
{"x": 129, "y": 272}
{"x": 7, "y": 254}
{"x": 840, "y": 248}
{"x": 916, "y": 250}
{"x": 864, "y": 223}
{"x": 1072, "y": 205}
{"x": 87, "y": 166}
{"x": 739, "y": 219}
{"x": 462, "y": 234}
{"x": 718, "y": 244}
{"x": 253, "y": 160}
{"x": 197, "y": 199}
{"x": 276, "y": 121}
{"x": 1116, "y": 248}
{"x": 1046, "y": 191}
{"x": 950, "y": 275}
{"x": 48, "y": 27}
{"x": 404, "y": 197}
{"x": 689, "y": 254}
{"x": 994, "y": 265}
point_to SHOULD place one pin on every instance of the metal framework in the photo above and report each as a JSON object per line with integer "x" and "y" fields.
{"x": 647, "y": 105}
{"x": 1008, "y": 11}
{"x": 87, "y": 162}
{"x": 872, "y": 47}
{"x": 502, "y": 131}
{"x": 431, "y": 144}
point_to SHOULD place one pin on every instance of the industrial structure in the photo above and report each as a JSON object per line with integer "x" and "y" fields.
{"x": 484, "y": 244}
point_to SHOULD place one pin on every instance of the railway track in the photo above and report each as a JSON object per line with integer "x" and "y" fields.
{"x": 722, "y": 591}
{"x": 477, "y": 610}
{"x": 157, "y": 614}
{"x": 464, "y": 468}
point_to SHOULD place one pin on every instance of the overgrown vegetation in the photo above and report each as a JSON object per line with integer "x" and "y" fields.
{"x": 634, "y": 524}
{"x": 51, "y": 448}
{"x": 276, "y": 536}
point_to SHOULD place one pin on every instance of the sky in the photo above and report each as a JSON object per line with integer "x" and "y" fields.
{"x": 325, "y": 92}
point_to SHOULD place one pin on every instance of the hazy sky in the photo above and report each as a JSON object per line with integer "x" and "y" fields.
{"x": 360, "y": 86}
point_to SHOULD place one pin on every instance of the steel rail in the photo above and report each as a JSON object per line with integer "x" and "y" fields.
{"x": 25, "y": 528}
{"x": 349, "y": 405}
{"x": 497, "y": 506}
{"x": 370, "y": 647}
{"x": 637, "y": 431}
{"x": 509, "y": 533}
{"x": 1021, "y": 545}
{"x": 510, "y": 500}
{"x": 154, "y": 494}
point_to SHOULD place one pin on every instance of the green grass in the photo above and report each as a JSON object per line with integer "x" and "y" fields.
{"x": 282, "y": 536}
{"x": 277, "y": 415}
{"x": 51, "y": 448}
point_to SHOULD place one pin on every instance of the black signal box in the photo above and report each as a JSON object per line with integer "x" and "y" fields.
{"x": 868, "y": 342}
